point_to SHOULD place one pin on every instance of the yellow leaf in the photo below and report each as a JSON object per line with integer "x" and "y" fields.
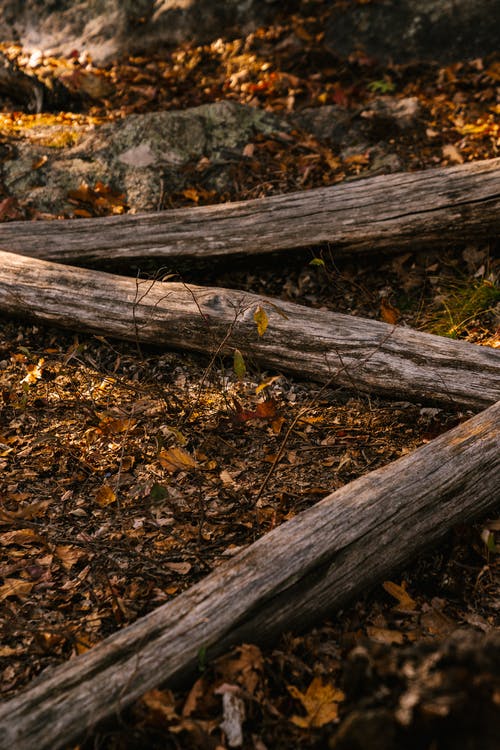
{"x": 191, "y": 194}
{"x": 261, "y": 320}
{"x": 320, "y": 702}
{"x": 105, "y": 496}
{"x": 267, "y": 382}
{"x": 405, "y": 602}
{"x": 111, "y": 426}
{"x": 176, "y": 459}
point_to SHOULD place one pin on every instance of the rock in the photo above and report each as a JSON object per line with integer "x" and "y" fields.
{"x": 107, "y": 29}
{"x": 141, "y": 156}
{"x": 329, "y": 123}
{"x": 402, "y": 31}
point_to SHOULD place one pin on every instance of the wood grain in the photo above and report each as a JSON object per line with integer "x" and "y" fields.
{"x": 359, "y": 354}
{"x": 390, "y": 213}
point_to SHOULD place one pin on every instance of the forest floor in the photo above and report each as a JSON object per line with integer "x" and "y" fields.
{"x": 129, "y": 473}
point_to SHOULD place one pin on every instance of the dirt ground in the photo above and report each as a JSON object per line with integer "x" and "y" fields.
{"x": 128, "y": 474}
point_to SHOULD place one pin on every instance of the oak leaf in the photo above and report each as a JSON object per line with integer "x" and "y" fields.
{"x": 321, "y": 702}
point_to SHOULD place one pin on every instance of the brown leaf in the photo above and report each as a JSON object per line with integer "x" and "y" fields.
{"x": 388, "y": 312}
{"x": 105, "y": 496}
{"x": 176, "y": 459}
{"x": 321, "y": 702}
{"x": 182, "y": 568}
{"x": 20, "y": 536}
{"x": 161, "y": 703}
{"x": 15, "y": 587}
{"x": 405, "y": 601}
{"x": 69, "y": 555}
{"x": 384, "y": 635}
{"x": 243, "y": 667}
{"x": 452, "y": 153}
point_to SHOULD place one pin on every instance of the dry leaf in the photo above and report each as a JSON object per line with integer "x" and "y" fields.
{"x": 19, "y": 536}
{"x": 388, "y": 312}
{"x": 111, "y": 426}
{"x": 452, "y": 153}
{"x": 69, "y": 555}
{"x": 384, "y": 635}
{"x": 15, "y": 587}
{"x": 261, "y": 320}
{"x": 405, "y": 601}
{"x": 176, "y": 459}
{"x": 196, "y": 693}
{"x": 182, "y": 568}
{"x": 161, "y": 703}
{"x": 242, "y": 667}
{"x": 105, "y": 496}
{"x": 33, "y": 372}
{"x": 320, "y": 702}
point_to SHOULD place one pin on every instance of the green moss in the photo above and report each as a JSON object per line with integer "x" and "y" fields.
{"x": 461, "y": 305}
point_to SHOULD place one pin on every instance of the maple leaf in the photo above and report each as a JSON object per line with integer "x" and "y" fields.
{"x": 320, "y": 702}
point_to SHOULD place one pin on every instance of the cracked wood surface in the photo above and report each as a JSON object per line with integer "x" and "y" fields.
{"x": 289, "y": 578}
{"x": 359, "y": 354}
{"x": 393, "y": 212}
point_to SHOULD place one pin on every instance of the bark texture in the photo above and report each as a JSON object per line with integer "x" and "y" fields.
{"x": 386, "y": 213}
{"x": 287, "y": 579}
{"x": 364, "y": 355}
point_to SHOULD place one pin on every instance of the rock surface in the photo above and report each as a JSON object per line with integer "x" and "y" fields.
{"x": 148, "y": 156}
{"x": 401, "y": 31}
{"x": 142, "y": 155}
{"x": 107, "y": 29}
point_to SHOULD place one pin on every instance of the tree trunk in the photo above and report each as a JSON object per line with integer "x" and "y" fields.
{"x": 289, "y": 578}
{"x": 360, "y": 354}
{"x": 390, "y": 212}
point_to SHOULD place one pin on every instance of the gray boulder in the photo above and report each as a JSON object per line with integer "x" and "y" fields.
{"x": 402, "y": 31}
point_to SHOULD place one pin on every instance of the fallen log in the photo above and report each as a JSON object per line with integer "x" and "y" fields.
{"x": 361, "y": 354}
{"x": 389, "y": 212}
{"x": 289, "y": 578}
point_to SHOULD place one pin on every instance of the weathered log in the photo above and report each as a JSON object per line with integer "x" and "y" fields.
{"x": 389, "y": 212}
{"x": 289, "y": 578}
{"x": 361, "y": 354}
